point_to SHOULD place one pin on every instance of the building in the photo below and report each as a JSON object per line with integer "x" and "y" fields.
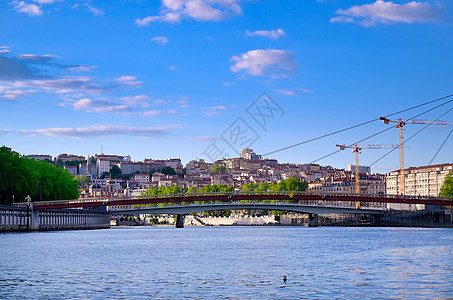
{"x": 40, "y": 157}
{"x": 196, "y": 167}
{"x": 102, "y": 166}
{"x": 176, "y": 164}
{"x": 69, "y": 157}
{"x": 362, "y": 169}
{"x": 248, "y": 153}
{"x": 71, "y": 169}
{"x": 141, "y": 178}
{"x": 134, "y": 167}
{"x": 420, "y": 181}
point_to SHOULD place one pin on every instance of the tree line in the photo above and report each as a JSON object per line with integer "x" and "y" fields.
{"x": 21, "y": 176}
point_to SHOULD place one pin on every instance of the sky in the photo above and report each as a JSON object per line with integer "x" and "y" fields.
{"x": 195, "y": 79}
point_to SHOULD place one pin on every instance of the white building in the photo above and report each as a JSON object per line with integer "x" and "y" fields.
{"x": 102, "y": 166}
{"x": 248, "y": 153}
{"x": 419, "y": 181}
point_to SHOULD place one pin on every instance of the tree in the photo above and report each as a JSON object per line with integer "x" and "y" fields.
{"x": 218, "y": 169}
{"x": 20, "y": 176}
{"x": 116, "y": 172}
{"x": 447, "y": 188}
{"x": 168, "y": 171}
{"x": 59, "y": 163}
{"x": 104, "y": 174}
{"x": 82, "y": 180}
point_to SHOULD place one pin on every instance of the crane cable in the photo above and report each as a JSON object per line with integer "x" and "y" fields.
{"x": 358, "y": 125}
{"x": 440, "y": 148}
{"x": 408, "y": 139}
{"x": 382, "y": 131}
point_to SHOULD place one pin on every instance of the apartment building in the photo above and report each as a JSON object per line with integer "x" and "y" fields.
{"x": 420, "y": 181}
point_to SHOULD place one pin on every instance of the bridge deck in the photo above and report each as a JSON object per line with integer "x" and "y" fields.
{"x": 188, "y": 209}
{"x": 239, "y": 196}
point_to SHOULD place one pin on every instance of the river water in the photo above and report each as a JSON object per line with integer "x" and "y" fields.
{"x": 228, "y": 263}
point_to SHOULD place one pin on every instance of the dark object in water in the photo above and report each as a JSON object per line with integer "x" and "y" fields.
{"x": 284, "y": 278}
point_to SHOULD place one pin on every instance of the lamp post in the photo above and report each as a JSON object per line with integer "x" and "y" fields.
{"x": 28, "y": 199}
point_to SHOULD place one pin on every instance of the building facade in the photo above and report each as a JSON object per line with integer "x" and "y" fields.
{"x": 419, "y": 181}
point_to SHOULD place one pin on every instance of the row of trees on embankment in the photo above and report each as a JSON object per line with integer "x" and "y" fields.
{"x": 290, "y": 184}
{"x": 21, "y": 176}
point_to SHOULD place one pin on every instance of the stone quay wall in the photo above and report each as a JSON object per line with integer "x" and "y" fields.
{"x": 19, "y": 219}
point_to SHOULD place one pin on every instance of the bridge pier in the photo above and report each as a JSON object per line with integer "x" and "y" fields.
{"x": 312, "y": 220}
{"x": 180, "y": 221}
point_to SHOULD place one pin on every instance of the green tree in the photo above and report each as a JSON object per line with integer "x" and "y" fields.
{"x": 20, "y": 176}
{"x": 104, "y": 174}
{"x": 82, "y": 180}
{"x": 447, "y": 188}
{"x": 218, "y": 169}
{"x": 116, "y": 172}
{"x": 168, "y": 171}
{"x": 59, "y": 163}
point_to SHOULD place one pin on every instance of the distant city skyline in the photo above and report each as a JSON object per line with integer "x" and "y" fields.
{"x": 164, "y": 79}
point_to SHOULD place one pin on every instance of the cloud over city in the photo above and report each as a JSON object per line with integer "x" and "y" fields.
{"x": 173, "y": 11}
{"x": 102, "y": 130}
{"x": 270, "y": 62}
{"x": 273, "y": 34}
{"x": 387, "y": 12}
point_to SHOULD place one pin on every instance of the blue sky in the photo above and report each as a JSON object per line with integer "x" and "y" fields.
{"x": 173, "y": 78}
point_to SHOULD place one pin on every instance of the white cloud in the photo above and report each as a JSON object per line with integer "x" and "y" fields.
{"x": 213, "y": 110}
{"x": 183, "y": 103}
{"x": 80, "y": 68}
{"x": 157, "y": 113}
{"x": 13, "y": 94}
{"x": 102, "y": 130}
{"x": 34, "y": 58}
{"x": 139, "y": 100}
{"x": 128, "y": 80}
{"x": 202, "y": 138}
{"x": 152, "y": 113}
{"x": 273, "y": 34}
{"x": 4, "y": 50}
{"x": 201, "y": 10}
{"x": 305, "y": 91}
{"x": 66, "y": 84}
{"x": 160, "y": 40}
{"x": 388, "y": 12}
{"x": 29, "y": 9}
{"x": 225, "y": 83}
{"x": 173, "y": 68}
{"x": 271, "y": 62}
{"x": 96, "y": 11}
{"x": 46, "y": 1}
{"x": 285, "y": 92}
{"x": 88, "y": 105}
{"x": 31, "y": 73}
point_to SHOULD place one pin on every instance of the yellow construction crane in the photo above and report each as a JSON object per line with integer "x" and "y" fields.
{"x": 400, "y": 123}
{"x": 356, "y": 149}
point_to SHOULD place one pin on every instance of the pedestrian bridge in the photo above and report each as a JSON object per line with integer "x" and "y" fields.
{"x": 228, "y": 197}
{"x": 181, "y": 210}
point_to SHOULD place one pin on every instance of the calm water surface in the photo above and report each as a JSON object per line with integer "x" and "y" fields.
{"x": 228, "y": 263}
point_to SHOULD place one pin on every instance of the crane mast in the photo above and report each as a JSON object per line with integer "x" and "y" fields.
{"x": 400, "y": 123}
{"x": 356, "y": 150}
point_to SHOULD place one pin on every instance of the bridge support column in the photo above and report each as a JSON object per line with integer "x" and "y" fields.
{"x": 180, "y": 221}
{"x": 312, "y": 220}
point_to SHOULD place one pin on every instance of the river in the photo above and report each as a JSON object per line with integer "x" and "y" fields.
{"x": 228, "y": 263}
